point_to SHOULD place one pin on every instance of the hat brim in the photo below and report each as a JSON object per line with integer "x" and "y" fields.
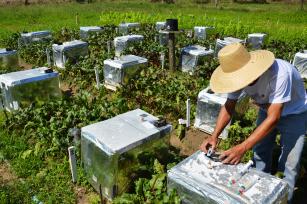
{"x": 228, "y": 82}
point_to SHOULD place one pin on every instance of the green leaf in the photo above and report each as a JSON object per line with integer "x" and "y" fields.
{"x": 158, "y": 167}
{"x": 26, "y": 154}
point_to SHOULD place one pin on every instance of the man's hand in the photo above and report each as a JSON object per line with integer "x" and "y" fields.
{"x": 233, "y": 155}
{"x": 210, "y": 142}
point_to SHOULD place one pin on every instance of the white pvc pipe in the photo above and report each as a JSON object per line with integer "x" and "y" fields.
{"x": 73, "y": 163}
{"x": 162, "y": 57}
{"x": 188, "y": 103}
{"x": 109, "y": 47}
{"x": 48, "y": 57}
{"x": 97, "y": 77}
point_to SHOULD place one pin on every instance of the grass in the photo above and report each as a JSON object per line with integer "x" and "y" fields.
{"x": 281, "y": 21}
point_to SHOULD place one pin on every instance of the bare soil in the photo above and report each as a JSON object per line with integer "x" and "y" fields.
{"x": 190, "y": 143}
{"x": 6, "y": 174}
{"x": 24, "y": 65}
{"x": 67, "y": 89}
{"x": 83, "y": 196}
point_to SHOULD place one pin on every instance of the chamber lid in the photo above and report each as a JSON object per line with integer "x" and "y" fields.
{"x": 202, "y": 27}
{"x": 197, "y": 50}
{"x": 4, "y": 52}
{"x": 90, "y": 28}
{"x": 210, "y": 179}
{"x": 125, "y": 61}
{"x": 261, "y": 35}
{"x": 127, "y": 38}
{"x": 207, "y": 95}
{"x": 27, "y": 76}
{"x": 233, "y": 40}
{"x": 69, "y": 45}
{"x": 124, "y": 132}
{"x": 129, "y": 24}
{"x": 35, "y": 33}
{"x": 301, "y": 54}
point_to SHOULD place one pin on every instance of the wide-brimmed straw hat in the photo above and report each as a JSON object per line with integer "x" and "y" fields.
{"x": 238, "y": 68}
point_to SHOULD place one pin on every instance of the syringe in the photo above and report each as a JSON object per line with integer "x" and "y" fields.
{"x": 242, "y": 171}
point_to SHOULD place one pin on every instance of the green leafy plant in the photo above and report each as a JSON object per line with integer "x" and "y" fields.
{"x": 150, "y": 190}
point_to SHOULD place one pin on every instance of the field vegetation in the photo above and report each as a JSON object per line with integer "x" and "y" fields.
{"x": 34, "y": 141}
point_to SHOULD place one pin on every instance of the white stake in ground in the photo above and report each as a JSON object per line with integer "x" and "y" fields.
{"x": 73, "y": 163}
{"x": 109, "y": 47}
{"x": 97, "y": 77}
{"x": 187, "y": 121}
{"x": 162, "y": 59}
{"x": 48, "y": 57}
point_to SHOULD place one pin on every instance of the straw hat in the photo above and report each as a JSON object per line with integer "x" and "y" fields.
{"x": 238, "y": 68}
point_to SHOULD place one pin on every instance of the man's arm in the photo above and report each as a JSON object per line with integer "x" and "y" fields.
{"x": 234, "y": 155}
{"x": 222, "y": 121}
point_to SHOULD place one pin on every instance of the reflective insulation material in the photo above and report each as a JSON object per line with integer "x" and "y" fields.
{"x": 85, "y": 32}
{"x": 119, "y": 71}
{"x": 193, "y": 56}
{"x": 163, "y": 37}
{"x": 20, "y": 89}
{"x": 69, "y": 51}
{"x": 8, "y": 59}
{"x": 300, "y": 62}
{"x": 256, "y": 40}
{"x": 207, "y": 111}
{"x": 199, "y": 179}
{"x": 124, "y": 28}
{"x": 160, "y": 26}
{"x": 200, "y": 32}
{"x": 113, "y": 150}
{"x": 37, "y": 36}
{"x": 121, "y": 43}
{"x": 226, "y": 41}
{"x": 208, "y": 108}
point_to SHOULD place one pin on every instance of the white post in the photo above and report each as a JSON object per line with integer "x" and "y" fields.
{"x": 109, "y": 47}
{"x": 162, "y": 58}
{"x": 48, "y": 57}
{"x": 73, "y": 163}
{"x": 97, "y": 77}
{"x": 188, "y": 103}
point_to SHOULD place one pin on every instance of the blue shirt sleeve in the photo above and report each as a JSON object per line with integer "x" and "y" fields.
{"x": 280, "y": 89}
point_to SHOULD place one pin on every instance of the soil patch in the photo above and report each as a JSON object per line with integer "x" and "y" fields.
{"x": 86, "y": 197}
{"x": 67, "y": 89}
{"x": 6, "y": 174}
{"x": 24, "y": 65}
{"x": 190, "y": 143}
